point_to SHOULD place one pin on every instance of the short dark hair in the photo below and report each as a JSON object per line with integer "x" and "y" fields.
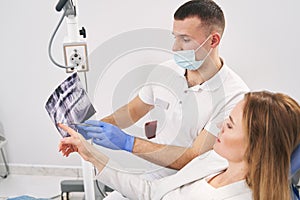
{"x": 210, "y": 14}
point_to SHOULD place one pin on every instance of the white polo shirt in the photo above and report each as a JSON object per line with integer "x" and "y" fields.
{"x": 183, "y": 112}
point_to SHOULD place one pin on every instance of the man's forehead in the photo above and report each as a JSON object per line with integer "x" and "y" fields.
{"x": 187, "y": 27}
{"x": 190, "y": 22}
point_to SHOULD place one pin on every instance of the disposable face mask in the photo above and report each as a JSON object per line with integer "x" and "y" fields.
{"x": 187, "y": 58}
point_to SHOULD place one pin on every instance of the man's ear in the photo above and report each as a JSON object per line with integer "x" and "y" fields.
{"x": 216, "y": 37}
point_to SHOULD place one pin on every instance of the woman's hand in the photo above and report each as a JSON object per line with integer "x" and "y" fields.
{"x": 76, "y": 143}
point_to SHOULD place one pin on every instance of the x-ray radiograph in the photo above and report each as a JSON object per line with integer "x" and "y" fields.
{"x": 69, "y": 104}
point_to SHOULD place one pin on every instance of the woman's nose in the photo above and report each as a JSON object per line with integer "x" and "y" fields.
{"x": 220, "y": 125}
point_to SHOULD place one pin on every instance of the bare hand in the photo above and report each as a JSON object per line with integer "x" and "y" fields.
{"x": 74, "y": 143}
{"x": 77, "y": 143}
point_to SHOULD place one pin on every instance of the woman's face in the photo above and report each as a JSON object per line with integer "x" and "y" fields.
{"x": 231, "y": 142}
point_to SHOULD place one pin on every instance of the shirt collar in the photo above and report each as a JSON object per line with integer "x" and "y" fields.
{"x": 210, "y": 85}
{"x": 216, "y": 81}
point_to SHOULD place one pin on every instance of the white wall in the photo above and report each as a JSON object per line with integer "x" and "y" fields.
{"x": 260, "y": 43}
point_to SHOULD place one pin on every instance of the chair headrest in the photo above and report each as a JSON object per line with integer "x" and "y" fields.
{"x": 295, "y": 160}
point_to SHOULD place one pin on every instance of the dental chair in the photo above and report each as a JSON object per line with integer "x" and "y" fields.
{"x": 3, "y": 141}
{"x": 295, "y": 173}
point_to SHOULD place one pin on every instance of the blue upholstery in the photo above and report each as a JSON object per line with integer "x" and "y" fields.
{"x": 295, "y": 161}
{"x": 295, "y": 167}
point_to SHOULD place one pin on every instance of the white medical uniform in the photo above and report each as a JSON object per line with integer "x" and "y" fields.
{"x": 188, "y": 183}
{"x": 183, "y": 112}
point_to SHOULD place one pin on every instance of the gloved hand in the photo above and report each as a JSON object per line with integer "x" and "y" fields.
{"x": 106, "y": 135}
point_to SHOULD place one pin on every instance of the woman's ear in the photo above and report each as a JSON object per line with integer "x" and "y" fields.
{"x": 216, "y": 37}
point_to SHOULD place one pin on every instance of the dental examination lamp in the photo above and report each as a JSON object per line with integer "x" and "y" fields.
{"x": 74, "y": 47}
{"x": 76, "y": 60}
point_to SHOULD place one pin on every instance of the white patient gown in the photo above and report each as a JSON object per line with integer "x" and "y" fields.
{"x": 188, "y": 183}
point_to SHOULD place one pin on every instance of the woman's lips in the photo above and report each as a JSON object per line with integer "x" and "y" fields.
{"x": 218, "y": 140}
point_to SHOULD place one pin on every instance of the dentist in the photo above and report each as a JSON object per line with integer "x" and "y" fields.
{"x": 206, "y": 90}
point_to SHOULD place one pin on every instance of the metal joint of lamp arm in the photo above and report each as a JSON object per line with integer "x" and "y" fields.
{"x": 74, "y": 48}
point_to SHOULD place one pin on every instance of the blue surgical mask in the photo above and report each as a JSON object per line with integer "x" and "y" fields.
{"x": 187, "y": 58}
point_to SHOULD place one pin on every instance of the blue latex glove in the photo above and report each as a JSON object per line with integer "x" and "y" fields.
{"x": 106, "y": 135}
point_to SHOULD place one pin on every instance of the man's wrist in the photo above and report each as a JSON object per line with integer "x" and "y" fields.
{"x": 139, "y": 146}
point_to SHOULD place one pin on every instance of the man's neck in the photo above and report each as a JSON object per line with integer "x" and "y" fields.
{"x": 204, "y": 73}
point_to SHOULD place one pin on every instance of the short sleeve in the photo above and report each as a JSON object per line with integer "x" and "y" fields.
{"x": 222, "y": 112}
{"x": 213, "y": 124}
{"x": 146, "y": 94}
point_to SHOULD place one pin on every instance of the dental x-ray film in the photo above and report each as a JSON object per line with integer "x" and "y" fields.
{"x": 69, "y": 104}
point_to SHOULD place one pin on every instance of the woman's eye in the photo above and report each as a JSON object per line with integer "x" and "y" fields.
{"x": 229, "y": 126}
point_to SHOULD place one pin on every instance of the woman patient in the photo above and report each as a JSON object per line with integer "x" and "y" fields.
{"x": 257, "y": 141}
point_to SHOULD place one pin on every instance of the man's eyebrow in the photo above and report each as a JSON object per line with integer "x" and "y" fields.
{"x": 180, "y": 35}
{"x": 231, "y": 120}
